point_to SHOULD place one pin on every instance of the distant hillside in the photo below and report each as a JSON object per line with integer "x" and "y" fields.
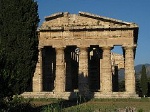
{"x": 138, "y": 69}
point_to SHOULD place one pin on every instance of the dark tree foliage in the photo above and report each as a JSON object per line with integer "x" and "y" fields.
{"x": 138, "y": 88}
{"x": 122, "y": 86}
{"x": 148, "y": 91}
{"x": 18, "y": 45}
{"x": 144, "y": 83}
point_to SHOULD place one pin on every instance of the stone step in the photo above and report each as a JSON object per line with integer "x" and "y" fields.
{"x": 70, "y": 95}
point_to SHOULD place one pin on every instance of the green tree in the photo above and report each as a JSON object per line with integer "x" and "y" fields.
{"x": 122, "y": 86}
{"x": 144, "y": 85}
{"x": 138, "y": 89}
{"x": 18, "y": 45}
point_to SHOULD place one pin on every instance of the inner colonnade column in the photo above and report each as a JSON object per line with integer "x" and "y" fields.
{"x": 83, "y": 71}
{"x": 59, "y": 84}
{"x": 106, "y": 74}
{"x": 129, "y": 69}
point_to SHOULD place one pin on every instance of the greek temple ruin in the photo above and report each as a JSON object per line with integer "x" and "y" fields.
{"x": 75, "y": 57}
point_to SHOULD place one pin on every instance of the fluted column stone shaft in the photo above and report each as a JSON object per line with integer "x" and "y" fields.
{"x": 60, "y": 70}
{"x": 83, "y": 71}
{"x": 129, "y": 70}
{"x": 37, "y": 81}
{"x": 106, "y": 74}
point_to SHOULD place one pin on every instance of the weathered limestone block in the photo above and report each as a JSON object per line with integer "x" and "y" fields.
{"x": 60, "y": 70}
{"x": 129, "y": 70}
{"x": 106, "y": 74}
{"x": 37, "y": 78}
{"x": 83, "y": 71}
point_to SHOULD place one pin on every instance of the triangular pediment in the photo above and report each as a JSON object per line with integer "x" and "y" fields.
{"x": 83, "y": 20}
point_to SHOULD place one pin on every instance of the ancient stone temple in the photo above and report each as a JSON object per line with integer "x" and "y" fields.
{"x": 75, "y": 56}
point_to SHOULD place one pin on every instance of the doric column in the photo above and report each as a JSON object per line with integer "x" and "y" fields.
{"x": 83, "y": 71}
{"x": 129, "y": 69}
{"x": 106, "y": 74}
{"x": 37, "y": 81}
{"x": 60, "y": 70}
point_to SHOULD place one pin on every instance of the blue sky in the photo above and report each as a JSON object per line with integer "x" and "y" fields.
{"x": 136, "y": 11}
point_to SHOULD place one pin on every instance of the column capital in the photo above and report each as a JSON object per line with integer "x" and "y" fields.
{"x": 107, "y": 47}
{"x": 83, "y": 48}
{"x": 40, "y": 47}
{"x": 129, "y": 47}
{"x": 59, "y": 48}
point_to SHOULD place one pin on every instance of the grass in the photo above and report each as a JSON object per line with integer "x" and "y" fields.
{"x": 113, "y": 104}
{"x": 80, "y": 105}
{"x": 103, "y": 105}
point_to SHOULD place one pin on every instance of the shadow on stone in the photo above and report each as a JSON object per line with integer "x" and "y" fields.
{"x": 75, "y": 98}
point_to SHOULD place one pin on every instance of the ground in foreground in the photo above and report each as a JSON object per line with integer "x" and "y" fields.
{"x": 93, "y": 105}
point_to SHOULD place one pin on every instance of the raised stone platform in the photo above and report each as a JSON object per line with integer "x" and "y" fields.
{"x": 115, "y": 95}
{"x": 71, "y": 95}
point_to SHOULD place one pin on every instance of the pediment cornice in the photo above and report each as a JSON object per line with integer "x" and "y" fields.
{"x": 83, "y": 21}
{"x": 94, "y": 16}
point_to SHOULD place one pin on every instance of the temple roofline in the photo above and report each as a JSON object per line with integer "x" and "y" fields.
{"x": 106, "y": 18}
{"x": 94, "y": 16}
{"x": 53, "y": 16}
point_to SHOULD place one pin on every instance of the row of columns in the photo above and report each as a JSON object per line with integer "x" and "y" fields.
{"x": 105, "y": 76}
